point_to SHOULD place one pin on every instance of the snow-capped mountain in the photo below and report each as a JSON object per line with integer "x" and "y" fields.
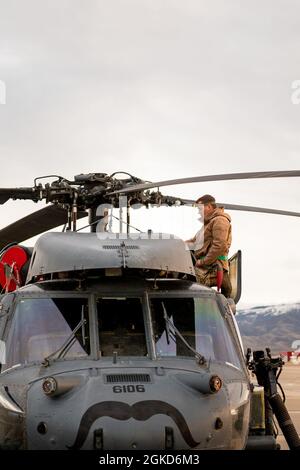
{"x": 273, "y": 326}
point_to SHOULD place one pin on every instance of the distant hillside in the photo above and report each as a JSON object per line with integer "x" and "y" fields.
{"x": 274, "y": 326}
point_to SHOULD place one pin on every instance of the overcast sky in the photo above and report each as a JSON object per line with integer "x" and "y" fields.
{"x": 161, "y": 89}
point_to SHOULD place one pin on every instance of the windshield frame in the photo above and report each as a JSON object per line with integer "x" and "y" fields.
{"x": 145, "y": 295}
{"x": 140, "y": 294}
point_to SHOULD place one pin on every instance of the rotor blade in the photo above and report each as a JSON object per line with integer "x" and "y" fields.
{"x": 238, "y": 207}
{"x": 33, "y": 224}
{"x": 201, "y": 179}
{"x": 17, "y": 193}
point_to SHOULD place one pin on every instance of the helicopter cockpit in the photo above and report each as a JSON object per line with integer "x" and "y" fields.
{"x": 149, "y": 324}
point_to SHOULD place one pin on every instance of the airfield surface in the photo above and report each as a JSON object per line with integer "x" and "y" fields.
{"x": 290, "y": 381}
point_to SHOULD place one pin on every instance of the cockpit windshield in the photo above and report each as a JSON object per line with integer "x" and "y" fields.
{"x": 175, "y": 326}
{"x": 201, "y": 325}
{"x": 121, "y": 326}
{"x": 40, "y": 326}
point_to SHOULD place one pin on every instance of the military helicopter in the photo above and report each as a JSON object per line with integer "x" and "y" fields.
{"x": 110, "y": 344}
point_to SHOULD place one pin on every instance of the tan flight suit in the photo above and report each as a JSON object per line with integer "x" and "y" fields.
{"x": 215, "y": 249}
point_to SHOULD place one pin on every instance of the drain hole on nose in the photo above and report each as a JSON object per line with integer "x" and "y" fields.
{"x": 218, "y": 423}
{"x": 42, "y": 428}
{"x": 169, "y": 438}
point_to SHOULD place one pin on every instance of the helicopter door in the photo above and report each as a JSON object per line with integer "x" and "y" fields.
{"x": 235, "y": 274}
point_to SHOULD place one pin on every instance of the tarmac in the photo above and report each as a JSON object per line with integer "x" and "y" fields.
{"x": 290, "y": 382}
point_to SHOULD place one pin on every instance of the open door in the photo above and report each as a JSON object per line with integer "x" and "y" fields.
{"x": 235, "y": 274}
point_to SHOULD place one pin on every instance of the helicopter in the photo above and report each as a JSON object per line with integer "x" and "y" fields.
{"x": 108, "y": 343}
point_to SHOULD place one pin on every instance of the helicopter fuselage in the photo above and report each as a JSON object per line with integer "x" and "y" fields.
{"x": 154, "y": 364}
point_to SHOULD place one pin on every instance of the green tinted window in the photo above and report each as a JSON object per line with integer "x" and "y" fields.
{"x": 41, "y": 326}
{"x": 201, "y": 324}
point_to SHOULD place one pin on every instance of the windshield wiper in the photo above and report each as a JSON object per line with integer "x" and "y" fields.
{"x": 172, "y": 334}
{"x": 167, "y": 327}
{"x": 64, "y": 348}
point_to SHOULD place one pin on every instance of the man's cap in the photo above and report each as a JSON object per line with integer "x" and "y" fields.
{"x": 206, "y": 199}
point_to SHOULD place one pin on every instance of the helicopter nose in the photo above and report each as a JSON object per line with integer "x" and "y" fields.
{"x": 106, "y": 411}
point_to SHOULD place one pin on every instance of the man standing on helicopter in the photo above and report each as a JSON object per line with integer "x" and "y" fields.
{"x": 211, "y": 265}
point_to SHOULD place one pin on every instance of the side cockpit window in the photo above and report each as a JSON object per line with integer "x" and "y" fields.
{"x": 41, "y": 326}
